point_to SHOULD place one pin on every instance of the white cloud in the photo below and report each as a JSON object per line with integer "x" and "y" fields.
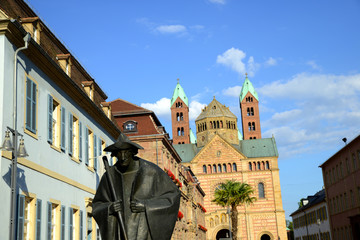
{"x": 195, "y": 109}
{"x": 233, "y": 58}
{"x": 314, "y": 86}
{"x": 252, "y": 66}
{"x": 313, "y": 64}
{"x": 271, "y": 62}
{"x": 232, "y": 91}
{"x": 171, "y": 29}
{"x": 327, "y": 108}
{"x": 161, "y": 107}
{"x": 218, "y": 1}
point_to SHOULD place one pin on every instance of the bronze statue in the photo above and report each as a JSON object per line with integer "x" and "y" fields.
{"x": 145, "y": 197}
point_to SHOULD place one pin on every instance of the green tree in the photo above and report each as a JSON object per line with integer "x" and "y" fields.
{"x": 233, "y": 194}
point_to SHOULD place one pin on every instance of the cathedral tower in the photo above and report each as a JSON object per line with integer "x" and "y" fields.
{"x": 180, "y": 116}
{"x": 216, "y": 118}
{"x": 249, "y": 106}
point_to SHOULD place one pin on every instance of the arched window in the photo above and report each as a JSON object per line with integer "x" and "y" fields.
{"x": 249, "y": 126}
{"x": 224, "y": 168}
{"x": 262, "y": 166}
{"x": 253, "y": 126}
{"x": 267, "y": 165}
{"x": 258, "y": 165}
{"x": 211, "y": 125}
{"x": 182, "y": 131}
{"x": 181, "y": 117}
{"x": 250, "y": 166}
{"x": 204, "y": 169}
{"x": 252, "y": 111}
{"x": 248, "y": 111}
{"x": 214, "y": 168}
{"x": 250, "y": 138}
{"x": 177, "y": 116}
{"x": 205, "y": 126}
{"x": 234, "y": 167}
{"x": 219, "y": 168}
{"x": 217, "y": 124}
{"x": 261, "y": 190}
{"x": 178, "y": 132}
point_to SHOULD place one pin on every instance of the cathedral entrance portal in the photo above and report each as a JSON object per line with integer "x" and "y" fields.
{"x": 265, "y": 237}
{"x": 223, "y": 234}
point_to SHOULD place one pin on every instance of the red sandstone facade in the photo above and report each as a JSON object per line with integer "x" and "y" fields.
{"x": 341, "y": 174}
{"x": 180, "y": 122}
{"x": 250, "y": 117}
{"x": 143, "y": 127}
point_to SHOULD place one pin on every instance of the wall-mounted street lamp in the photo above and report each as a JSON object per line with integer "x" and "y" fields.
{"x": 11, "y": 146}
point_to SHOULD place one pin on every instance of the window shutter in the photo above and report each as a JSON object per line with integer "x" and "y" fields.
{"x": 70, "y": 224}
{"x": 81, "y": 225}
{"x": 63, "y": 210}
{"x": 63, "y": 116}
{"x": 28, "y": 104}
{"x": 70, "y": 134}
{"x": 95, "y": 152}
{"x": 86, "y": 146}
{"x": 38, "y": 219}
{"x": 50, "y": 118}
{"x": 80, "y": 141}
{"x": 21, "y": 213}
{"x": 100, "y": 147}
{"x": 49, "y": 214}
{"x": 33, "y": 107}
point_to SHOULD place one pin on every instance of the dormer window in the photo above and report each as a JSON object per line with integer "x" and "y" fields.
{"x": 130, "y": 126}
{"x": 89, "y": 88}
{"x": 32, "y": 26}
{"x": 65, "y": 63}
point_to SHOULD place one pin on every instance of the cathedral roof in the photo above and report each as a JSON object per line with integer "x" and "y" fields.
{"x": 255, "y": 148}
{"x": 215, "y": 109}
{"x": 179, "y": 92}
{"x": 247, "y": 87}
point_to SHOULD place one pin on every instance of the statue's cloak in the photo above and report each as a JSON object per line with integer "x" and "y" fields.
{"x": 149, "y": 183}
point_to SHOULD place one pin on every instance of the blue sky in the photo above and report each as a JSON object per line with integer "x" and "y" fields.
{"x": 303, "y": 58}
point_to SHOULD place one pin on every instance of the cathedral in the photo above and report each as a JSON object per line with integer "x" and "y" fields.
{"x": 220, "y": 152}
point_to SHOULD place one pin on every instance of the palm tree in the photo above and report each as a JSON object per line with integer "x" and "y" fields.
{"x": 233, "y": 194}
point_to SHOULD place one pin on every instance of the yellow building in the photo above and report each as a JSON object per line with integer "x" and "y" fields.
{"x": 221, "y": 154}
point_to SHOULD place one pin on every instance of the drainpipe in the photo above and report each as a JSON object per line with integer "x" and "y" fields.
{"x": 157, "y": 157}
{"x": 12, "y": 234}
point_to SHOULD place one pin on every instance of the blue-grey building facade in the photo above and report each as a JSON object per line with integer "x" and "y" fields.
{"x": 65, "y": 123}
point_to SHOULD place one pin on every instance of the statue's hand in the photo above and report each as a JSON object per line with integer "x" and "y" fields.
{"x": 137, "y": 206}
{"x": 115, "y": 207}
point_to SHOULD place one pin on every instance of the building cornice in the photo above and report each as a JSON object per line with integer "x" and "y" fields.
{"x": 13, "y": 30}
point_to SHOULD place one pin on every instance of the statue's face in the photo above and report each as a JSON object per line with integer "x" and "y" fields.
{"x": 125, "y": 157}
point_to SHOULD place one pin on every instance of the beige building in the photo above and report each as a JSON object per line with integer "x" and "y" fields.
{"x": 221, "y": 154}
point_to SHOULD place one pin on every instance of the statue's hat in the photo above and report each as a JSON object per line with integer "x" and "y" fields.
{"x": 122, "y": 143}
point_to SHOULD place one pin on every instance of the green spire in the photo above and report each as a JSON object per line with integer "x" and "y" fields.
{"x": 240, "y": 135}
{"x": 192, "y": 137}
{"x": 247, "y": 87}
{"x": 179, "y": 92}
